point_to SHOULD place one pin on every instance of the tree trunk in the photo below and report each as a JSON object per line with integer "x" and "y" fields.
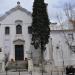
{"x": 42, "y": 59}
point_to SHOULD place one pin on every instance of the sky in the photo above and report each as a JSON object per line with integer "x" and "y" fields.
{"x": 54, "y": 6}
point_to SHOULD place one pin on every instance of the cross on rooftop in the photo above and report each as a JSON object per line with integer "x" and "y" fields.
{"x": 18, "y": 3}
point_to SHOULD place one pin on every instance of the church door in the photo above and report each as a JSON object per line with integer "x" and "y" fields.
{"x": 19, "y": 52}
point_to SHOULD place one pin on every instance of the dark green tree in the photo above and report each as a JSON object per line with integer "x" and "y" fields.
{"x": 40, "y": 26}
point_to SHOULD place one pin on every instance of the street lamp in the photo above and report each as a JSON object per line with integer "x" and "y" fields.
{"x": 6, "y": 69}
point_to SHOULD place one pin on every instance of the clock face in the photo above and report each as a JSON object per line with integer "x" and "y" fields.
{"x": 72, "y": 48}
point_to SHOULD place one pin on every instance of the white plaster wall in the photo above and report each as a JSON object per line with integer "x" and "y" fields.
{"x": 63, "y": 53}
{"x": 7, "y": 40}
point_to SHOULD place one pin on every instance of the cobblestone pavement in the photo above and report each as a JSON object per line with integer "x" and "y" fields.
{"x": 22, "y": 73}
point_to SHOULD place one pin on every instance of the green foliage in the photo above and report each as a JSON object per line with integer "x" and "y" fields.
{"x": 40, "y": 24}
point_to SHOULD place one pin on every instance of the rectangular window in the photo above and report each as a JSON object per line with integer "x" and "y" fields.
{"x": 0, "y": 50}
{"x": 70, "y": 36}
{"x": 7, "y": 30}
{"x": 72, "y": 48}
{"x": 19, "y": 29}
{"x": 30, "y": 29}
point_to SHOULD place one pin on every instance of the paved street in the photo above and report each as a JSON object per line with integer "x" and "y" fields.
{"x": 22, "y": 73}
{"x": 27, "y": 73}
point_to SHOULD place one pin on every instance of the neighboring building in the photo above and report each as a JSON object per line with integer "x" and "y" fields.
{"x": 63, "y": 44}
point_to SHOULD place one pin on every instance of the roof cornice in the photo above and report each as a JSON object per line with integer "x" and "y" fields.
{"x": 66, "y": 30}
{"x": 18, "y": 7}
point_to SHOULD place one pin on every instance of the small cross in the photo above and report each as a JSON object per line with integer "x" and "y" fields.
{"x": 18, "y": 3}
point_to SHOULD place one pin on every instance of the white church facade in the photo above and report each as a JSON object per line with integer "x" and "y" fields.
{"x": 14, "y": 32}
{"x": 15, "y": 40}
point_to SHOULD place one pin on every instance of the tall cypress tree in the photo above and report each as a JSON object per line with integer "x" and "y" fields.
{"x": 40, "y": 25}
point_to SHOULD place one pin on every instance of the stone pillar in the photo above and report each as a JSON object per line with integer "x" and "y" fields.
{"x": 50, "y": 62}
{"x": 30, "y": 65}
{"x": 2, "y": 62}
{"x": 3, "y": 66}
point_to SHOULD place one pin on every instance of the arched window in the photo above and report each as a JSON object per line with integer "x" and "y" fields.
{"x": 7, "y": 30}
{"x": 18, "y": 29}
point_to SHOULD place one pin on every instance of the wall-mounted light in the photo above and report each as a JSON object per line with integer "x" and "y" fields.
{"x": 57, "y": 47}
{"x": 0, "y": 50}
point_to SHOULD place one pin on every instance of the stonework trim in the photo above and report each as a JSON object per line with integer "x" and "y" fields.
{"x": 13, "y": 10}
{"x": 18, "y": 41}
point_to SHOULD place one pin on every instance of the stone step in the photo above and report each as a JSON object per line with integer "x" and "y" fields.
{"x": 21, "y": 70}
{"x": 16, "y": 65}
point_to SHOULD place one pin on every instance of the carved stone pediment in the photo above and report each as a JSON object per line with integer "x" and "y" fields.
{"x": 18, "y": 7}
{"x": 19, "y": 41}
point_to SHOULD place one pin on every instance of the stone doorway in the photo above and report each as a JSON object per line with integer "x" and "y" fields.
{"x": 19, "y": 52}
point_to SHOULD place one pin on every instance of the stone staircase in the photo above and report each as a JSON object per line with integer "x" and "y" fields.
{"x": 17, "y": 66}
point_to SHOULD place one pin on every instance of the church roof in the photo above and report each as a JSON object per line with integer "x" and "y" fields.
{"x": 18, "y": 7}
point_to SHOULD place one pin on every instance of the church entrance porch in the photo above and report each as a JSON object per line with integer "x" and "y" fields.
{"x": 19, "y": 52}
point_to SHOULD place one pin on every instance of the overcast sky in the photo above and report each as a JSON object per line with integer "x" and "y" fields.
{"x": 54, "y": 6}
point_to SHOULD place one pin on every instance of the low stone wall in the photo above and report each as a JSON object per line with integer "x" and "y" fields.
{"x": 52, "y": 68}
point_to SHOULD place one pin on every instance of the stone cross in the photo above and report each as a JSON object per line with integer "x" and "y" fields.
{"x": 18, "y": 3}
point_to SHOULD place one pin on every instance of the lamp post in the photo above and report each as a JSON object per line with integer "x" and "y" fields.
{"x": 31, "y": 58}
{"x": 51, "y": 53}
{"x": 50, "y": 61}
{"x": 62, "y": 56}
{"x": 16, "y": 65}
{"x": 59, "y": 47}
{"x": 6, "y": 69}
{"x": 19, "y": 71}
